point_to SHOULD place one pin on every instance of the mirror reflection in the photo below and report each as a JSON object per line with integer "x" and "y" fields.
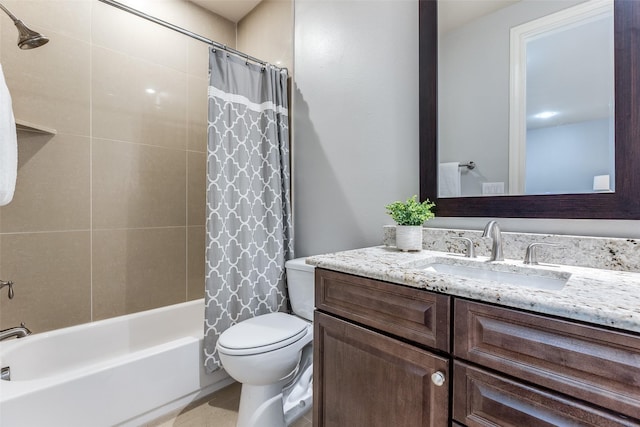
{"x": 525, "y": 92}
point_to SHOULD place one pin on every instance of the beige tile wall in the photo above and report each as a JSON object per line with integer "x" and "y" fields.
{"x": 108, "y": 215}
{"x": 267, "y": 33}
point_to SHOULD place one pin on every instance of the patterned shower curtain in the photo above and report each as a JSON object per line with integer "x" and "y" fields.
{"x": 249, "y": 228}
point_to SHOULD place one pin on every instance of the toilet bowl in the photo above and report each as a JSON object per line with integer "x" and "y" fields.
{"x": 271, "y": 356}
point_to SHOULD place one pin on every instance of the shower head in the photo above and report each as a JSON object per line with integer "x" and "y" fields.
{"x": 27, "y": 39}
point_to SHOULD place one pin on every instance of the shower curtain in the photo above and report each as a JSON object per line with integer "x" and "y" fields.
{"x": 249, "y": 228}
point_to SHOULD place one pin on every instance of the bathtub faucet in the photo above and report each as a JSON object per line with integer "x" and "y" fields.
{"x": 8, "y": 283}
{"x": 18, "y": 332}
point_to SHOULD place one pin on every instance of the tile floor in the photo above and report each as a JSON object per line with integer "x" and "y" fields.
{"x": 220, "y": 409}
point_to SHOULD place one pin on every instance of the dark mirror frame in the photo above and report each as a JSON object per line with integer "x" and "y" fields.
{"x": 623, "y": 204}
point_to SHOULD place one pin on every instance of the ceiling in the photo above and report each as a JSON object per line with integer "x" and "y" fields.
{"x": 233, "y": 10}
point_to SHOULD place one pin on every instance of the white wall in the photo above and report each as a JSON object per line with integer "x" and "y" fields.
{"x": 564, "y": 159}
{"x": 356, "y": 128}
{"x": 355, "y": 110}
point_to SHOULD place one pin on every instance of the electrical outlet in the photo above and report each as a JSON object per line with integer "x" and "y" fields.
{"x": 493, "y": 188}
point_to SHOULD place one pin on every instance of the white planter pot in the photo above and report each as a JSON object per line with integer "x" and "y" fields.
{"x": 409, "y": 237}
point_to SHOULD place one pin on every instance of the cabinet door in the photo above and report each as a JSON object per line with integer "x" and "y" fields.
{"x": 482, "y": 399}
{"x": 365, "y": 379}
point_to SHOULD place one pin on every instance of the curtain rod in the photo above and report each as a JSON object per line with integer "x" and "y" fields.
{"x": 185, "y": 32}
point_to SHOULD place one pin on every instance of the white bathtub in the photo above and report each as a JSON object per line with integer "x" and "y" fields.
{"x": 122, "y": 371}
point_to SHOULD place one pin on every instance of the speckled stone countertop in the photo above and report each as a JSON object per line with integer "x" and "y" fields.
{"x": 599, "y": 296}
{"x": 594, "y": 252}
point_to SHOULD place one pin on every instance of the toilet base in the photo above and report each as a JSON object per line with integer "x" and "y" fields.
{"x": 282, "y": 403}
{"x": 297, "y": 396}
{"x": 261, "y": 406}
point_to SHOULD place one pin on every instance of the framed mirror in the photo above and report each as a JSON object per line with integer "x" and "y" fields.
{"x": 622, "y": 203}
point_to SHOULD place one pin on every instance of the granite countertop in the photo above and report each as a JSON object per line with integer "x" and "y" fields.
{"x": 604, "y": 297}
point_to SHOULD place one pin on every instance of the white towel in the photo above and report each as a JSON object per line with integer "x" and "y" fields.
{"x": 8, "y": 145}
{"x": 449, "y": 179}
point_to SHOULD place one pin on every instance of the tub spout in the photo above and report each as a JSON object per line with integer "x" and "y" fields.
{"x": 17, "y": 332}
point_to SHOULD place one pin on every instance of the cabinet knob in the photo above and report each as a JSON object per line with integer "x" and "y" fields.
{"x": 438, "y": 378}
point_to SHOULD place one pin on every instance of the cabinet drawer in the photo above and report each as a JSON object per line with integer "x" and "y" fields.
{"x": 586, "y": 362}
{"x": 413, "y": 314}
{"x": 484, "y": 399}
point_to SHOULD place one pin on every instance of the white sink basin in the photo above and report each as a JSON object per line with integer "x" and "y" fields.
{"x": 508, "y": 274}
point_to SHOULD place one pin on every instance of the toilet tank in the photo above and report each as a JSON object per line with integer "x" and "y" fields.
{"x": 300, "y": 281}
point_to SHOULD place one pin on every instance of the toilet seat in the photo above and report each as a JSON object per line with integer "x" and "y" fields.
{"x": 261, "y": 334}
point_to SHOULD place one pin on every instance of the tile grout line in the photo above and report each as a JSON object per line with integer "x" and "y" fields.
{"x": 186, "y": 184}
{"x": 90, "y": 229}
{"x": 91, "y": 162}
{"x": 186, "y": 229}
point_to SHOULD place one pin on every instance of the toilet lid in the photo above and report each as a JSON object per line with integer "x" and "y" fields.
{"x": 262, "y": 333}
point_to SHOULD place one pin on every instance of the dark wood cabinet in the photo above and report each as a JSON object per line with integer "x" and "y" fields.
{"x": 371, "y": 368}
{"x": 413, "y": 314}
{"x": 590, "y": 363}
{"x": 377, "y": 346}
{"x": 365, "y": 379}
{"x": 483, "y": 399}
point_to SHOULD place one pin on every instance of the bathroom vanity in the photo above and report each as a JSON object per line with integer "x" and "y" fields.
{"x": 399, "y": 343}
{"x": 377, "y": 347}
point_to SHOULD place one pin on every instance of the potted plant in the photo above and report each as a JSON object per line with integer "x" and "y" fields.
{"x": 410, "y": 216}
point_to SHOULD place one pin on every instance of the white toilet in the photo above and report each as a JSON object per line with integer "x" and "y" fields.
{"x": 271, "y": 355}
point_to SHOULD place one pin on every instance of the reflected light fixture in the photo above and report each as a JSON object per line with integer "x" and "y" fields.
{"x": 545, "y": 115}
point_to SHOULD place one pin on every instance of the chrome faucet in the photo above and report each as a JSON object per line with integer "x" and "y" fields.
{"x": 18, "y": 332}
{"x": 530, "y": 256}
{"x": 492, "y": 230}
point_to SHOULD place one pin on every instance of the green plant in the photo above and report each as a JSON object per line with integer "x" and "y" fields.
{"x": 411, "y": 212}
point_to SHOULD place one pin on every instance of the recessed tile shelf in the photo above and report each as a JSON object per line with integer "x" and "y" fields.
{"x": 25, "y": 126}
